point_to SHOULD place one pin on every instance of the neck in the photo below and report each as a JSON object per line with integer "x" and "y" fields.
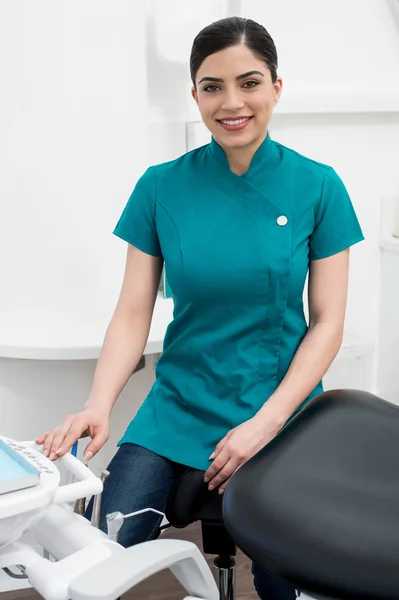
{"x": 240, "y": 159}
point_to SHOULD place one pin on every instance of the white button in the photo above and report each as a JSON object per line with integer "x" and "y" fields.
{"x": 282, "y": 220}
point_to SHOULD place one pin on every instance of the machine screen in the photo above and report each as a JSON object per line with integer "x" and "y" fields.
{"x": 16, "y": 473}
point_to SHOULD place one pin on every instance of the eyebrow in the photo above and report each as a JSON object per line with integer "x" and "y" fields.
{"x": 238, "y": 78}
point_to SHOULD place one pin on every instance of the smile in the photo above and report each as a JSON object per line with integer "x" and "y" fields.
{"x": 234, "y": 124}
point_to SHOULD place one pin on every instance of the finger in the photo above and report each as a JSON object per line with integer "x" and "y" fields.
{"x": 59, "y": 436}
{"x": 217, "y": 450}
{"x": 216, "y": 453}
{"x": 47, "y": 443}
{"x": 223, "y": 474}
{"x": 223, "y": 486}
{"x": 96, "y": 444}
{"x": 215, "y": 467}
{"x": 66, "y": 443}
{"x": 218, "y": 464}
{"x": 78, "y": 426}
{"x": 219, "y": 447}
{"x": 40, "y": 440}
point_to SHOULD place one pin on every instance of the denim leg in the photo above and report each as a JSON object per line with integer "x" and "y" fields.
{"x": 269, "y": 587}
{"x": 138, "y": 479}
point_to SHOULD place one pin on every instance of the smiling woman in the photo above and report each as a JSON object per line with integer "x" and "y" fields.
{"x": 233, "y": 68}
{"x": 239, "y": 224}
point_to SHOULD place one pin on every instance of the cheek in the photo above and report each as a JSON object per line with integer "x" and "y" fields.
{"x": 208, "y": 105}
{"x": 264, "y": 104}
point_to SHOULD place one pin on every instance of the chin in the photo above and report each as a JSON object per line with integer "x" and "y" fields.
{"x": 236, "y": 141}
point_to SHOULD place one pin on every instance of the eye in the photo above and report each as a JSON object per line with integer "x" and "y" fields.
{"x": 211, "y": 88}
{"x": 251, "y": 84}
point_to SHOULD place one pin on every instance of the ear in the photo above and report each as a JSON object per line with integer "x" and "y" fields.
{"x": 278, "y": 88}
{"x": 194, "y": 94}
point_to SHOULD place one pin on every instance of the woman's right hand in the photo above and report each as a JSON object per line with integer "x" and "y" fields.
{"x": 88, "y": 423}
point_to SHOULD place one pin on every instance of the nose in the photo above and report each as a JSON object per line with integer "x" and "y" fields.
{"x": 232, "y": 100}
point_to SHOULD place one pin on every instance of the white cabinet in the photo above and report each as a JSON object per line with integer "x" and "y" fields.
{"x": 388, "y": 355}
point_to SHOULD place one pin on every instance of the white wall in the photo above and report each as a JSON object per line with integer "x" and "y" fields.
{"x": 73, "y": 114}
{"x": 388, "y": 360}
{"x": 334, "y": 45}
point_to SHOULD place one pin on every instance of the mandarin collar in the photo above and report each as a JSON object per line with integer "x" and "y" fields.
{"x": 266, "y": 157}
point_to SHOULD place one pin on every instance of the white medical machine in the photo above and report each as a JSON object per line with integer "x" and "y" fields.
{"x": 78, "y": 561}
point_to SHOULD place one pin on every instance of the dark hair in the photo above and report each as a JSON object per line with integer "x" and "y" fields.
{"x": 232, "y": 31}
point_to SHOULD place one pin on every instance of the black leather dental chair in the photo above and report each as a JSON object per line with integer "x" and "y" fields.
{"x": 190, "y": 501}
{"x": 319, "y": 506}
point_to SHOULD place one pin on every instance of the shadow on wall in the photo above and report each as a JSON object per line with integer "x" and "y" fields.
{"x": 45, "y": 390}
{"x": 164, "y": 79}
{"x": 171, "y": 26}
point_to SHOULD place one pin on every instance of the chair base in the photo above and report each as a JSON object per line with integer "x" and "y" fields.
{"x": 225, "y": 574}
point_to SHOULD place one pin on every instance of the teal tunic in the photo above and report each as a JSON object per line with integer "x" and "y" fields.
{"x": 237, "y": 252}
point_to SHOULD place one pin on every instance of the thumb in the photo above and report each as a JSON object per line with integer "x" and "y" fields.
{"x": 95, "y": 445}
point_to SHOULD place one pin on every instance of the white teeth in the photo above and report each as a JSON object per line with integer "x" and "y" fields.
{"x": 236, "y": 122}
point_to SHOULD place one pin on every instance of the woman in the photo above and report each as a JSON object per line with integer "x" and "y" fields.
{"x": 239, "y": 223}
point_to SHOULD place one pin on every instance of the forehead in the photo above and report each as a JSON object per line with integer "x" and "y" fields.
{"x": 230, "y": 62}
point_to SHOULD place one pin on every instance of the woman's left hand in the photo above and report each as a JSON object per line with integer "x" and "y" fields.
{"x": 236, "y": 448}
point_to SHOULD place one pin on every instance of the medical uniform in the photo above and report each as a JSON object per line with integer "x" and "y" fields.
{"x": 237, "y": 252}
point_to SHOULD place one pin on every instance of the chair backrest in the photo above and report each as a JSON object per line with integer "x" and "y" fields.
{"x": 319, "y": 505}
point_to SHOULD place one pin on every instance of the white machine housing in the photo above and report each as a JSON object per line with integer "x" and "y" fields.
{"x": 20, "y": 509}
{"x": 85, "y": 563}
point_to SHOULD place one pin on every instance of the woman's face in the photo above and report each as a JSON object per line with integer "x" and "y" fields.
{"x": 236, "y": 96}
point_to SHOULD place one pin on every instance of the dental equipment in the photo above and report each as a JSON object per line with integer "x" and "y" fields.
{"x": 115, "y": 521}
{"x": 95, "y": 519}
{"x": 87, "y": 564}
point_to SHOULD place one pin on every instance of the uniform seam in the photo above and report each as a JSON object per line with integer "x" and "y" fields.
{"x": 284, "y": 315}
{"x": 156, "y": 191}
{"x": 310, "y": 207}
{"x": 178, "y": 159}
{"x": 302, "y": 157}
{"x": 185, "y": 285}
{"x": 155, "y": 207}
{"x": 178, "y": 237}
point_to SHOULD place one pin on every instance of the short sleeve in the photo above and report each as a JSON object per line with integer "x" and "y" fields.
{"x": 336, "y": 224}
{"x": 136, "y": 224}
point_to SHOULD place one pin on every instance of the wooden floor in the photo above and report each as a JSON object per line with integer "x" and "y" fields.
{"x": 164, "y": 586}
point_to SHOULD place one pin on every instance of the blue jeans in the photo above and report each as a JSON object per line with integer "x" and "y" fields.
{"x": 141, "y": 479}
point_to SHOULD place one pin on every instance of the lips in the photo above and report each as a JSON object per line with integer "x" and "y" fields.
{"x": 235, "y": 123}
{"x": 234, "y": 120}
